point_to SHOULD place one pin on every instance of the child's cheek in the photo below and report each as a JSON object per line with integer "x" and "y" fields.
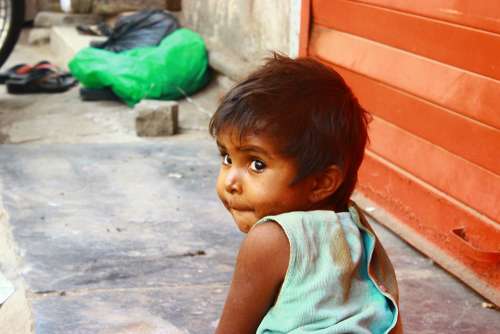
{"x": 219, "y": 186}
{"x": 266, "y": 201}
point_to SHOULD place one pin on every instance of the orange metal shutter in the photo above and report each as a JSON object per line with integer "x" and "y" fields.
{"x": 429, "y": 72}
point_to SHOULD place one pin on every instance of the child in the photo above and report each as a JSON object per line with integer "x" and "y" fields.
{"x": 292, "y": 137}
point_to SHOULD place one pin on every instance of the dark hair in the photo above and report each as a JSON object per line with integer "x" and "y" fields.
{"x": 309, "y": 109}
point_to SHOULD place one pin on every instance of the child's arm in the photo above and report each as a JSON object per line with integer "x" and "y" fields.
{"x": 260, "y": 269}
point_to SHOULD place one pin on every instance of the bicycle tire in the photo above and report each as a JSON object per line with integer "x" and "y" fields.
{"x": 12, "y": 27}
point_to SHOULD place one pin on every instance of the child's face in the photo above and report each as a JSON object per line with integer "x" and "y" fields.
{"x": 255, "y": 180}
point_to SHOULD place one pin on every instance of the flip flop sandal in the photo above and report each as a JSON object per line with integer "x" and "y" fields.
{"x": 100, "y": 29}
{"x": 20, "y": 69}
{"x": 45, "y": 79}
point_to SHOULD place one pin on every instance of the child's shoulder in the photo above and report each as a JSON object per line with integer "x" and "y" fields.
{"x": 265, "y": 239}
{"x": 266, "y": 235}
{"x": 263, "y": 256}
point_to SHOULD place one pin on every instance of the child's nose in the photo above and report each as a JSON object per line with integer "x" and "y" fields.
{"x": 232, "y": 182}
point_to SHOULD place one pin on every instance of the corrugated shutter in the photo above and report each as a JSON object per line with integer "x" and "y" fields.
{"x": 429, "y": 72}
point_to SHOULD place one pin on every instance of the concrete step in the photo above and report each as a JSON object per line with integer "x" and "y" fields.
{"x": 65, "y": 42}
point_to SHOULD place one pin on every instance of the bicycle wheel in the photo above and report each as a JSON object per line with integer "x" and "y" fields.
{"x": 11, "y": 22}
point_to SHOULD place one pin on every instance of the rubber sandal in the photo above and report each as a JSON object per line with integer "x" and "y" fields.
{"x": 20, "y": 69}
{"x": 46, "y": 78}
{"x": 100, "y": 29}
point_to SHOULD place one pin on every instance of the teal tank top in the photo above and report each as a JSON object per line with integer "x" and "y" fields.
{"x": 327, "y": 288}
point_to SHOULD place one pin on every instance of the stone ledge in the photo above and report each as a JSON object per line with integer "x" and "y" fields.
{"x": 15, "y": 312}
{"x": 50, "y": 19}
{"x": 65, "y": 42}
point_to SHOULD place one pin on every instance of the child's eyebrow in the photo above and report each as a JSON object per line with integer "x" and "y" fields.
{"x": 253, "y": 149}
{"x": 246, "y": 149}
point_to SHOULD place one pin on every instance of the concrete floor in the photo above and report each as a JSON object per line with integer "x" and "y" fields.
{"x": 110, "y": 233}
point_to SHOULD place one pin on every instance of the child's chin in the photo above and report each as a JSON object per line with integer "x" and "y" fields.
{"x": 244, "y": 220}
{"x": 244, "y": 225}
{"x": 243, "y": 228}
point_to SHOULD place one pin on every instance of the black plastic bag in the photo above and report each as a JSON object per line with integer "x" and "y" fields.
{"x": 145, "y": 28}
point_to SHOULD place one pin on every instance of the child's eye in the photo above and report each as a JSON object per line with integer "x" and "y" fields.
{"x": 226, "y": 160}
{"x": 257, "y": 166}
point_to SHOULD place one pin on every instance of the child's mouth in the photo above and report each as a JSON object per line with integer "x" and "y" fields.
{"x": 236, "y": 207}
{"x": 239, "y": 208}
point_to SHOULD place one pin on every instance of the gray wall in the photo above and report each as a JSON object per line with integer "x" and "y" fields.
{"x": 239, "y": 33}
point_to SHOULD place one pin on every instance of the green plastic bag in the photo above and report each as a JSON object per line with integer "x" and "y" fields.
{"x": 169, "y": 71}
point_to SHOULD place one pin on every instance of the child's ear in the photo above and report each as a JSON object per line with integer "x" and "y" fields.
{"x": 325, "y": 183}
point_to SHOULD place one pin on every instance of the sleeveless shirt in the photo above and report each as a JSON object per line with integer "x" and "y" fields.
{"x": 327, "y": 288}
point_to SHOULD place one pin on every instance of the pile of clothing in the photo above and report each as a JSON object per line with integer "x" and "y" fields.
{"x": 147, "y": 55}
